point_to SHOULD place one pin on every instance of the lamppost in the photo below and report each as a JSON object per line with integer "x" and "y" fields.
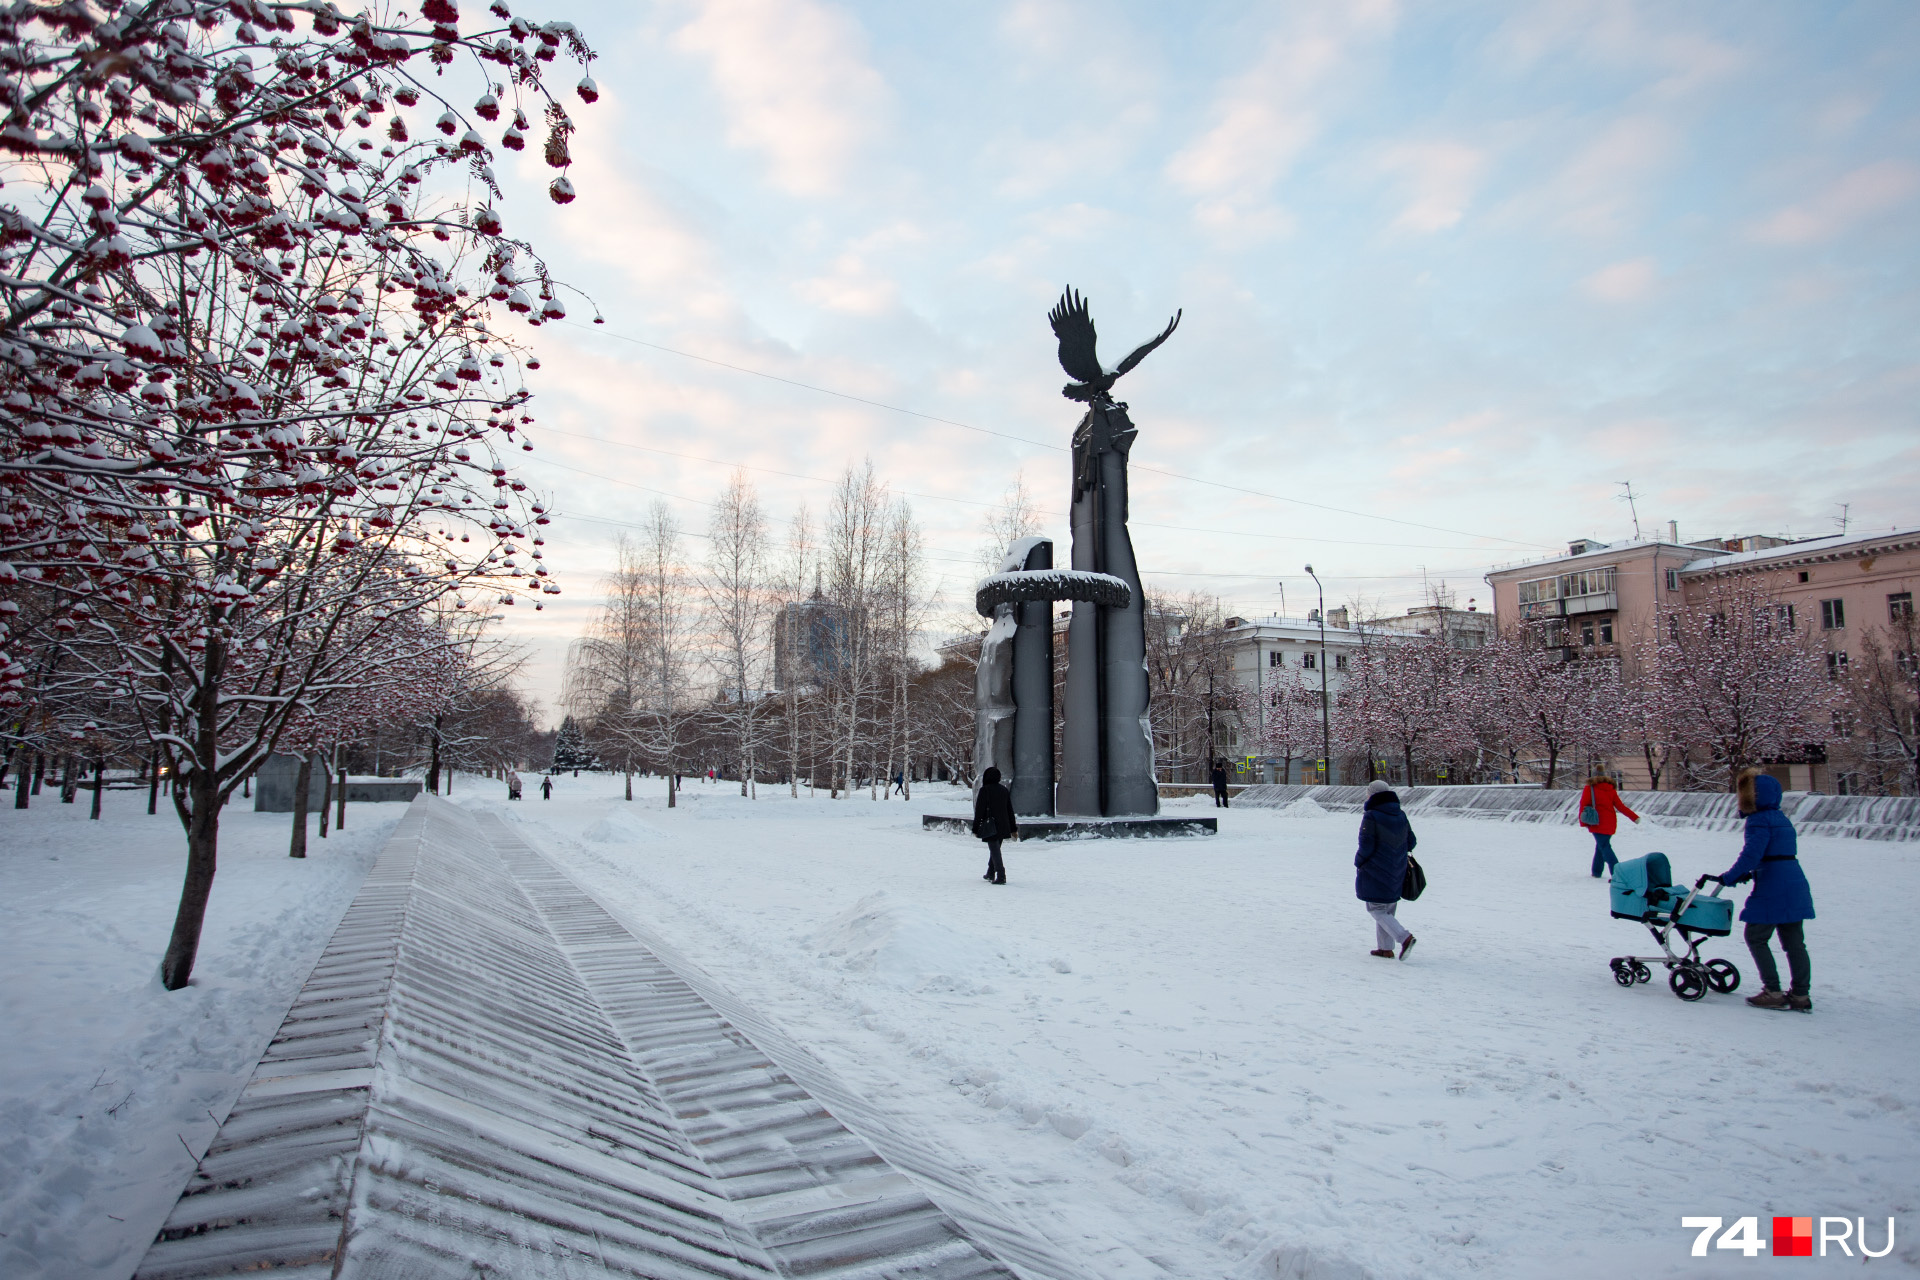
{"x": 1326, "y": 707}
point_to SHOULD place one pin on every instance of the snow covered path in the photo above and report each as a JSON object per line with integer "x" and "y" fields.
{"x": 106, "y": 1079}
{"x": 1177, "y": 1058}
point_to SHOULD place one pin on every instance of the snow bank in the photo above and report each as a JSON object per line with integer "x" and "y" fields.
{"x": 909, "y": 947}
{"x": 618, "y": 826}
{"x": 110, "y": 1085}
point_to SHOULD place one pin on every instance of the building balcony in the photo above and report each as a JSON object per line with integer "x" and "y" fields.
{"x": 1541, "y": 609}
{"x": 1598, "y": 602}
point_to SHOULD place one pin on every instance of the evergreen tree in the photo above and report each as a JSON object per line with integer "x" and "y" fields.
{"x": 570, "y": 748}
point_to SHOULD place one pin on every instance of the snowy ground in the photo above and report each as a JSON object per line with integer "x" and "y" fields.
{"x": 1180, "y": 1055}
{"x": 106, "y": 1079}
{"x": 1175, "y": 1058}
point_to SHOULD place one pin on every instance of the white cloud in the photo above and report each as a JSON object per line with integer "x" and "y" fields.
{"x": 1265, "y": 118}
{"x": 1853, "y": 199}
{"x": 1440, "y": 179}
{"x": 1598, "y": 192}
{"x": 796, "y": 83}
{"x": 1623, "y": 281}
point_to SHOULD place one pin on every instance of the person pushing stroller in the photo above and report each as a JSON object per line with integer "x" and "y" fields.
{"x": 1781, "y": 899}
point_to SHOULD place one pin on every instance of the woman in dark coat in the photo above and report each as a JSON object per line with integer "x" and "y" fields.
{"x": 1386, "y": 838}
{"x": 993, "y": 822}
{"x": 1781, "y": 901}
{"x": 1603, "y": 798}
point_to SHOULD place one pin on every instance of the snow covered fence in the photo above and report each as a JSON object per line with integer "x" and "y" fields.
{"x": 1853, "y": 817}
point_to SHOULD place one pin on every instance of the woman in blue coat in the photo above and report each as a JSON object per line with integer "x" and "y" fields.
{"x": 1781, "y": 900}
{"x": 1380, "y": 867}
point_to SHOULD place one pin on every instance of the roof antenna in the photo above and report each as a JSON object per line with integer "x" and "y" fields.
{"x": 1841, "y": 519}
{"x": 1632, "y": 506}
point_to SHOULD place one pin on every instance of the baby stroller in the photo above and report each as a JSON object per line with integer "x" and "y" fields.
{"x": 1643, "y": 890}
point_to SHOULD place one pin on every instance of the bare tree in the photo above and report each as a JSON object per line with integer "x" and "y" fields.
{"x": 1882, "y": 715}
{"x": 666, "y": 702}
{"x": 854, "y": 560}
{"x": 737, "y": 612}
{"x": 902, "y": 604}
{"x": 607, "y": 669}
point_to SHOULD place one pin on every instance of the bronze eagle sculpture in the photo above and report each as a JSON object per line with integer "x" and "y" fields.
{"x": 1073, "y": 325}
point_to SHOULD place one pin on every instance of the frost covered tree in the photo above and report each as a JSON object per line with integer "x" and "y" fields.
{"x": 1738, "y": 683}
{"x": 1413, "y": 697}
{"x": 1547, "y": 708}
{"x": 1882, "y": 714}
{"x": 570, "y": 747}
{"x": 256, "y": 409}
{"x": 1281, "y": 718}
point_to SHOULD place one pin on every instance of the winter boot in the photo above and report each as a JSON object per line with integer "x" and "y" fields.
{"x": 1771, "y": 1000}
{"x": 1799, "y": 1002}
{"x": 1406, "y": 946}
{"x": 1384, "y": 955}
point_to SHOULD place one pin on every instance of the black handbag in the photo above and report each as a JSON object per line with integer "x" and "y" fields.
{"x": 1414, "y": 883}
{"x": 985, "y": 828}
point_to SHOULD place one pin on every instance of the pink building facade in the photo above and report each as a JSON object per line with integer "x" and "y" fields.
{"x": 1603, "y": 601}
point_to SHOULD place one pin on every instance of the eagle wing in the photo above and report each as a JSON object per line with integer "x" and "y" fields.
{"x": 1073, "y": 325}
{"x": 1140, "y": 352}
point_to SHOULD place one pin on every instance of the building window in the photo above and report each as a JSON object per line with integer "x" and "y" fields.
{"x": 1589, "y": 582}
{"x": 1276, "y": 659}
{"x": 1833, "y": 615}
{"x": 1837, "y": 665}
{"x": 1804, "y": 575}
{"x": 1900, "y": 607}
{"x": 1785, "y": 612}
{"x": 1673, "y": 579}
{"x": 1843, "y": 723}
{"x": 1307, "y": 659}
{"x": 1606, "y": 631}
{"x": 1539, "y": 589}
{"x": 1339, "y": 662}
{"x": 1586, "y": 633}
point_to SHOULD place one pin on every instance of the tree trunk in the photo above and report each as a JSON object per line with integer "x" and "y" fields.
{"x": 69, "y": 778}
{"x": 629, "y": 784}
{"x": 1553, "y": 764}
{"x": 39, "y": 770}
{"x": 153, "y": 783}
{"x": 1408, "y": 753}
{"x": 433, "y": 758}
{"x": 301, "y": 805}
{"x": 203, "y": 843}
{"x": 23, "y": 781}
{"x": 673, "y": 785}
{"x": 340, "y": 801}
{"x": 99, "y": 784}
{"x": 1653, "y": 774}
{"x": 326, "y": 795}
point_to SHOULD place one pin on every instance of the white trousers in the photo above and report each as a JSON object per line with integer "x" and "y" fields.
{"x": 1388, "y": 932}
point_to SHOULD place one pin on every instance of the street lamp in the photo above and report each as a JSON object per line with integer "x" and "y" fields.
{"x": 1326, "y": 707}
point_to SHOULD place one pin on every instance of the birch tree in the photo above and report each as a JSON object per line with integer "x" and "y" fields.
{"x": 738, "y": 620}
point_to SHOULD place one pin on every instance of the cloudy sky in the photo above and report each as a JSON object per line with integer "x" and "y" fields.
{"x": 1450, "y": 273}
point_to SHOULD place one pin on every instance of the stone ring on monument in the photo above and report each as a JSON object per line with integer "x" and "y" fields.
{"x": 1023, "y": 585}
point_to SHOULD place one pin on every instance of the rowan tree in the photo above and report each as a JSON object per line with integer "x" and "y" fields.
{"x": 257, "y": 403}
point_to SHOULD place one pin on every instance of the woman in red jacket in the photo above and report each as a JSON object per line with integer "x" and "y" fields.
{"x": 1599, "y": 803}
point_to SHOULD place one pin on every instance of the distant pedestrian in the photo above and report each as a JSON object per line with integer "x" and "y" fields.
{"x": 1386, "y": 839}
{"x": 513, "y": 785}
{"x": 1781, "y": 900}
{"x": 1220, "y": 784}
{"x": 900, "y": 783}
{"x": 993, "y": 822}
{"x": 1600, "y": 805}
{"x": 546, "y": 788}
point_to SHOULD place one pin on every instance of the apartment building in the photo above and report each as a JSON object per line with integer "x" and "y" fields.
{"x": 1602, "y": 600}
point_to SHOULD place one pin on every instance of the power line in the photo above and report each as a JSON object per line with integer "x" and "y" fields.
{"x": 976, "y": 502}
{"x": 1040, "y": 444}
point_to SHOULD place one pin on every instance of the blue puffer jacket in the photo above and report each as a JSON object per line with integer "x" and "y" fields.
{"x": 1780, "y": 893}
{"x": 1386, "y": 838}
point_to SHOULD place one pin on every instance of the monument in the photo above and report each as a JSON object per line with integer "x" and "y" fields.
{"x": 1104, "y": 784}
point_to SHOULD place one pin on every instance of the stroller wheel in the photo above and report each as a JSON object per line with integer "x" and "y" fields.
{"x": 1623, "y": 973}
{"x": 1687, "y": 983}
{"x": 1641, "y": 973}
{"x": 1722, "y": 976}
